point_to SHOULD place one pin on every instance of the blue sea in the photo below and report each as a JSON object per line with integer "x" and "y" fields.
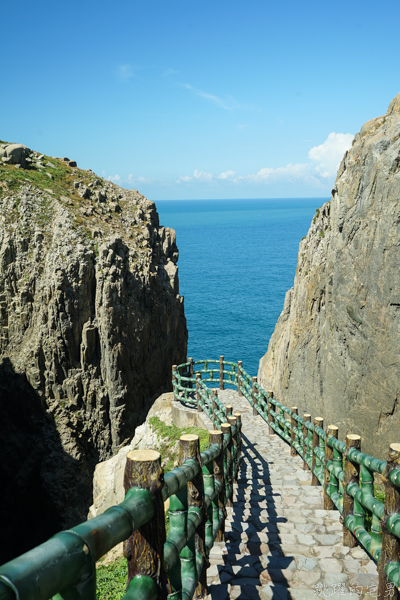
{"x": 237, "y": 259}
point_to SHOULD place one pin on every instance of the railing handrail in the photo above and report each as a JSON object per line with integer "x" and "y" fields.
{"x": 346, "y": 473}
{"x": 66, "y": 562}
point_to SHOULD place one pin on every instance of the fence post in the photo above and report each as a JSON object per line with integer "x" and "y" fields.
{"x": 228, "y": 410}
{"x": 190, "y": 450}
{"x": 233, "y": 423}
{"x": 270, "y": 417}
{"x": 318, "y": 422}
{"x": 221, "y": 373}
{"x": 238, "y": 437}
{"x": 293, "y": 424}
{"x": 217, "y": 437}
{"x": 174, "y": 382}
{"x": 253, "y": 396}
{"x": 351, "y": 474}
{"x": 198, "y": 378}
{"x": 226, "y": 430}
{"x": 390, "y": 543}
{"x": 144, "y": 550}
{"x": 191, "y": 371}
{"x": 240, "y": 365}
{"x": 214, "y": 405}
{"x": 332, "y": 431}
{"x": 306, "y": 417}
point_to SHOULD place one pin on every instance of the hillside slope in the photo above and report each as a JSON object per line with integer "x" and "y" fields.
{"x": 335, "y": 348}
{"x": 91, "y": 321}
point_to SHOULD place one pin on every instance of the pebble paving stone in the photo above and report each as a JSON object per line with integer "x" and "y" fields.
{"x": 280, "y": 543}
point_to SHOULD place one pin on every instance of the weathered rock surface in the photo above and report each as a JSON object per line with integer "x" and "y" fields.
{"x": 90, "y": 323}
{"x": 108, "y": 479}
{"x": 335, "y": 348}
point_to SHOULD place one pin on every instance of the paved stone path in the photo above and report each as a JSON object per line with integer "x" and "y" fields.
{"x": 280, "y": 543}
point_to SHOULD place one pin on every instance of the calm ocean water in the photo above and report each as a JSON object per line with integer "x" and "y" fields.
{"x": 237, "y": 259}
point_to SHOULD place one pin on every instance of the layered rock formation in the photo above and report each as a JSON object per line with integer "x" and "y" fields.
{"x": 335, "y": 348}
{"x": 90, "y": 323}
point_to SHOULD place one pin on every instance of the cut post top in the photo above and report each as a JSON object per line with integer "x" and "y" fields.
{"x": 189, "y": 437}
{"x": 395, "y": 447}
{"x": 143, "y": 455}
{"x": 215, "y": 432}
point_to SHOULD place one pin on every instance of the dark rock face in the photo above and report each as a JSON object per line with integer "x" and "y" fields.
{"x": 335, "y": 349}
{"x": 91, "y": 322}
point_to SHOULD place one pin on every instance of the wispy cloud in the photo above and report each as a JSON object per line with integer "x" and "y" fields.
{"x": 169, "y": 72}
{"x": 125, "y": 72}
{"x": 227, "y": 103}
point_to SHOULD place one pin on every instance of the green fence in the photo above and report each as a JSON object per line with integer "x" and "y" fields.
{"x": 159, "y": 567}
{"x": 349, "y": 477}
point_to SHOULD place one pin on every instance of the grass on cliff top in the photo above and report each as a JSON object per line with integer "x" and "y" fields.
{"x": 60, "y": 182}
{"x": 111, "y": 578}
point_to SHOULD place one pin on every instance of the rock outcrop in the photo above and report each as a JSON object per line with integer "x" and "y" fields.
{"x": 90, "y": 323}
{"x": 335, "y": 348}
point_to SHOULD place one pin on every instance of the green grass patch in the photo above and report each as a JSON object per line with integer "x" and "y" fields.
{"x": 168, "y": 436}
{"x": 111, "y": 580}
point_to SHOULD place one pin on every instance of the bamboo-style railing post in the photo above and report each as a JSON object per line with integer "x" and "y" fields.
{"x": 221, "y": 372}
{"x": 228, "y": 410}
{"x": 174, "y": 382}
{"x": 226, "y": 430}
{"x": 293, "y": 424}
{"x": 238, "y": 417}
{"x": 253, "y": 396}
{"x": 351, "y": 475}
{"x": 239, "y": 385}
{"x": 214, "y": 406}
{"x": 191, "y": 371}
{"x": 190, "y": 450}
{"x": 144, "y": 550}
{"x": 233, "y": 423}
{"x": 306, "y": 417}
{"x": 198, "y": 379}
{"x": 332, "y": 431}
{"x": 270, "y": 406}
{"x": 318, "y": 422}
{"x": 390, "y": 543}
{"x": 217, "y": 437}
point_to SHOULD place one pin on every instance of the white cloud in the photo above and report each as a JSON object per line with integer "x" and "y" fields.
{"x": 226, "y": 175}
{"x": 324, "y": 162}
{"x": 329, "y": 154}
{"x": 202, "y": 175}
{"x": 114, "y": 178}
{"x": 125, "y": 72}
{"x": 184, "y": 179}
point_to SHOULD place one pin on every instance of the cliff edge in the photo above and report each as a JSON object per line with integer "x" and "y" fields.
{"x": 335, "y": 349}
{"x": 91, "y": 321}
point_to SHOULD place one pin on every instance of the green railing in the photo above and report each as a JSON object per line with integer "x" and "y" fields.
{"x": 347, "y": 475}
{"x": 159, "y": 567}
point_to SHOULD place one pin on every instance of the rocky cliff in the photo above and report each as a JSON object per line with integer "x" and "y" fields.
{"x": 91, "y": 321}
{"x": 335, "y": 348}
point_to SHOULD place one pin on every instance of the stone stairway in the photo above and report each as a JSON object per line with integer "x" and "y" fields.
{"x": 279, "y": 542}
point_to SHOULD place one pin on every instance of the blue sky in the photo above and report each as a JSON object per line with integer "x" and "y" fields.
{"x": 192, "y": 100}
